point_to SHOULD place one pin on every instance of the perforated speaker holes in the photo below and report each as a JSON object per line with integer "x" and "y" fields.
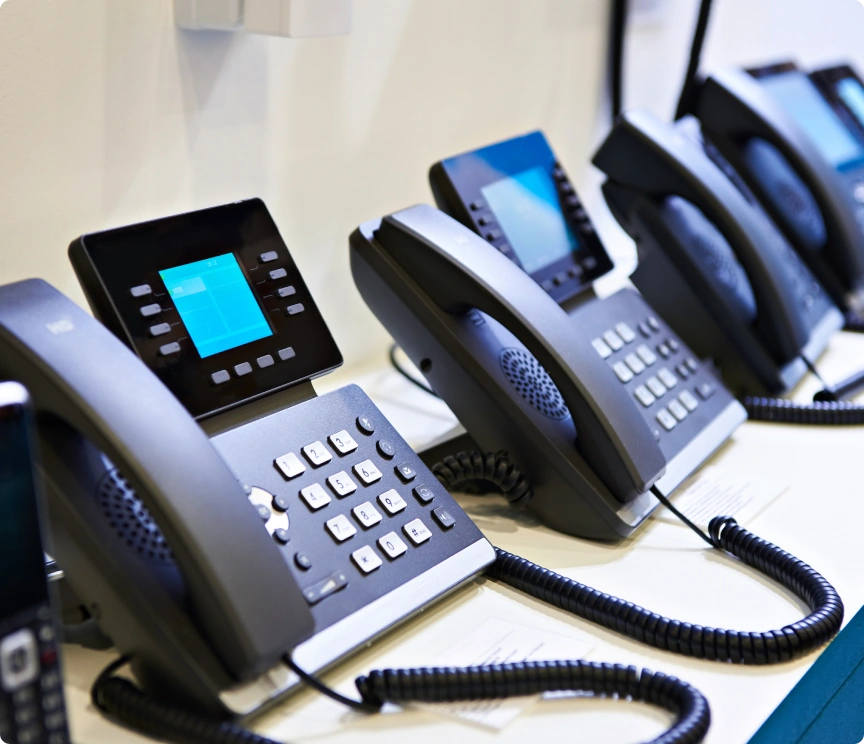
{"x": 533, "y": 383}
{"x": 131, "y": 519}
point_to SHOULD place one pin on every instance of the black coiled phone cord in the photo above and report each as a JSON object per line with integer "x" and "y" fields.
{"x": 122, "y": 700}
{"x": 782, "y": 411}
{"x": 715, "y": 644}
{"x": 854, "y": 322}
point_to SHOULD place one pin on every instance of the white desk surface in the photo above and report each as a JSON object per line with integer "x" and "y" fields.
{"x": 663, "y": 567}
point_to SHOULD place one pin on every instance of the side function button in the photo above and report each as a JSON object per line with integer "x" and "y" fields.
{"x": 392, "y": 545}
{"x": 286, "y": 354}
{"x": 626, "y": 332}
{"x": 142, "y": 290}
{"x": 367, "y": 471}
{"x": 160, "y": 329}
{"x": 417, "y": 531}
{"x": 268, "y": 257}
{"x": 278, "y": 274}
{"x": 169, "y": 349}
{"x": 280, "y": 503}
{"x": 281, "y": 535}
{"x": 405, "y": 472}
{"x": 148, "y": 311}
{"x": 366, "y": 559}
{"x": 315, "y": 496}
{"x": 364, "y": 423}
{"x": 294, "y": 309}
{"x": 340, "y": 528}
{"x": 243, "y": 369}
{"x": 423, "y": 494}
{"x": 290, "y": 465}
{"x": 265, "y": 361}
{"x": 317, "y": 454}
{"x": 286, "y": 291}
{"x": 325, "y": 588}
{"x": 366, "y": 514}
{"x": 666, "y": 419}
{"x": 220, "y": 377}
{"x": 263, "y": 512}
{"x": 392, "y": 502}
{"x": 385, "y": 449}
{"x": 302, "y": 561}
{"x": 342, "y": 484}
{"x": 444, "y": 518}
{"x": 602, "y": 348}
{"x": 342, "y": 442}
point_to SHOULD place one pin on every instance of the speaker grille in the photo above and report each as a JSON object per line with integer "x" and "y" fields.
{"x": 131, "y": 519}
{"x": 533, "y": 383}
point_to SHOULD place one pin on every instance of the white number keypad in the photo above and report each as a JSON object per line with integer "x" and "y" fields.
{"x": 392, "y": 545}
{"x": 367, "y": 560}
{"x": 392, "y": 502}
{"x": 315, "y": 496}
{"x": 342, "y": 484}
{"x": 343, "y": 442}
{"x": 317, "y": 454}
{"x": 417, "y": 531}
{"x": 367, "y": 471}
{"x": 367, "y": 514}
{"x": 340, "y": 527}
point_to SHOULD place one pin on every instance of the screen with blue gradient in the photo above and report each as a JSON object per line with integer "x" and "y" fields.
{"x": 216, "y": 304}
{"x": 852, "y": 94}
{"x": 527, "y": 208}
{"x": 799, "y": 96}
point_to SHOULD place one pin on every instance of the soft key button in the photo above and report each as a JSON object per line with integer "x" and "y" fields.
{"x": 286, "y": 291}
{"x": 148, "y": 311}
{"x": 242, "y": 369}
{"x": 392, "y": 502}
{"x": 626, "y": 332}
{"x": 142, "y": 290}
{"x": 340, "y": 527}
{"x": 294, "y": 309}
{"x": 268, "y": 257}
{"x": 286, "y": 354}
{"x": 366, "y": 514}
{"x": 342, "y": 442}
{"x": 160, "y": 329}
{"x": 265, "y": 361}
{"x": 220, "y": 377}
{"x": 317, "y": 454}
{"x": 278, "y": 274}
{"x": 366, "y": 559}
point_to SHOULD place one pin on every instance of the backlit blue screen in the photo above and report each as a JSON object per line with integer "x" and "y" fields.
{"x": 529, "y": 212}
{"x": 852, "y": 94}
{"x": 799, "y": 96}
{"x": 216, "y": 304}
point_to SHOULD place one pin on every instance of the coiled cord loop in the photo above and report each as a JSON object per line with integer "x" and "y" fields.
{"x": 687, "y": 639}
{"x": 443, "y": 684}
{"x": 457, "y": 471}
{"x": 782, "y": 411}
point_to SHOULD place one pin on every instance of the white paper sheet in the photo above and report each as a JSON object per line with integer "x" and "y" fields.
{"x": 499, "y": 641}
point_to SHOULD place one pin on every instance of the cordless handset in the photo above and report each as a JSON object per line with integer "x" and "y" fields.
{"x": 710, "y": 259}
{"x": 801, "y": 161}
{"x": 32, "y": 707}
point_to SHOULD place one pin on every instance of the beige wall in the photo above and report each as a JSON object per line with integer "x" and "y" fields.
{"x": 109, "y": 115}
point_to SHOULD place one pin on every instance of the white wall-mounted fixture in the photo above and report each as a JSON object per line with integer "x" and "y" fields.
{"x": 295, "y": 18}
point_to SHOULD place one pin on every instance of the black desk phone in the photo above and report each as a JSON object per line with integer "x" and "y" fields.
{"x": 348, "y": 533}
{"x": 710, "y": 259}
{"x": 802, "y": 163}
{"x": 32, "y": 709}
{"x": 597, "y": 400}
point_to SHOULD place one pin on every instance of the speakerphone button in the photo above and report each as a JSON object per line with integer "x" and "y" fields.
{"x": 444, "y": 517}
{"x": 364, "y": 423}
{"x": 286, "y": 354}
{"x": 220, "y": 377}
{"x": 160, "y": 329}
{"x": 268, "y": 257}
{"x": 278, "y": 274}
{"x": 142, "y": 290}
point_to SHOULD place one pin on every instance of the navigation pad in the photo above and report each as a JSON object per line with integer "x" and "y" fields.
{"x": 211, "y": 301}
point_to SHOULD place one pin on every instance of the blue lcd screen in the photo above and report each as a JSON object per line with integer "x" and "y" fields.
{"x": 216, "y": 304}
{"x": 529, "y": 212}
{"x": 852, "y": 94}
{"x": 799, "y": 96}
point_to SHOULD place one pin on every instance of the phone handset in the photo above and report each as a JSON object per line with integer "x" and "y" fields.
{"x": 672, "y": 165}
{"x": 733, "y": 105}
{"x": 243, "y": 594}
{"x": 460, "y": 271}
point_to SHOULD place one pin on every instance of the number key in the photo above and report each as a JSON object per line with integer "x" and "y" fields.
{"x": 392, "y": 545}
{"x": 340, "y": 527}
{"x": 366, "y": 514}
{"x": 417, "y": 531}
{"x": 392, "y": 502}
{"x": 367, "y": 472}
{"x": 343, "y": 442}
{"x": 317, "y": 454}
{"x": 341, "y": 484}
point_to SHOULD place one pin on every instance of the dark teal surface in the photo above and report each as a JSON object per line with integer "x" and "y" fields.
{"x": 827, "y": 704}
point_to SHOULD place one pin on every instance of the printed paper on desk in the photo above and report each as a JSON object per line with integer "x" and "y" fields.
{"x": 501, "y": 642}
{"x": 714, "y": 492}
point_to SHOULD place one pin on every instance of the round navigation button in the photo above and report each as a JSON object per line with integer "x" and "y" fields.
{"x": 386, "y": 449}
{"x": 280, "y": 503}
{"x": 263, "y": 512}
{"x": 364, "y": 423}
{"x": 303, "y": 561}
{"x": 281, "y": 535}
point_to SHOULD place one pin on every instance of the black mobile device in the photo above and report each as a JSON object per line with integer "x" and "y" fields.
{"x": 32, "y": 710}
